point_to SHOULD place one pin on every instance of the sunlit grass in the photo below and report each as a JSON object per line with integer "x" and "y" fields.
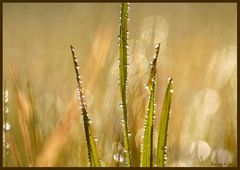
{"x": 45, "y": 124}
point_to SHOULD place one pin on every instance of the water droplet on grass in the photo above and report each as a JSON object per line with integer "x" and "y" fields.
{"x": 118, "y": 157}
{"x": 95, "y": 139}
{"x": 7, "y": 126}
{"x": 157, "y": 46}
{"x": 6, "y": 99}
{"x": 6, "y": 110}
{"x": 7, "y": 145}
{"x": 6, "y": 93}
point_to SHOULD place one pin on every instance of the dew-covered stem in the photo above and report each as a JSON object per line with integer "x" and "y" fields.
{"x": 146, "y": 149}
{"x": 6, "y": 128}
{"x": 93, "y": 157}
{"x": 163, "y": 126}
{"x": 123, "y": 55}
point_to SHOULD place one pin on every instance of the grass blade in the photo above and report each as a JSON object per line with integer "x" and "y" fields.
{"x": 163, "y": 127}
{"x": 123, "y": 55}
{"x": 93, "y": 157}
{"x": 146, "y": 150}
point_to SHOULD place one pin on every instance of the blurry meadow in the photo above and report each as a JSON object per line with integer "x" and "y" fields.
{"x": 42, "y": 122}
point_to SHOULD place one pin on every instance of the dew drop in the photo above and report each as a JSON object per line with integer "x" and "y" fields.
{"x": 6, "y": 110}
{"x": 7, "y": 145}
{"x": 4, "y": 138}
{"x": 146, "y": 86}
{"x": 95, "y": 139}
{"x": 121, "y": 105}
{"x": 8, "y": 126}
{"x": 6, "y": 93}
{"x": 171, "y": 90}
{"x": 118, "y": 157}
{"x": 6, "y": 100}
{"x": 151, "y": 64}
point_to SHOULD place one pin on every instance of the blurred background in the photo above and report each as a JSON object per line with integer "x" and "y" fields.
{"x": 42, "y": 125}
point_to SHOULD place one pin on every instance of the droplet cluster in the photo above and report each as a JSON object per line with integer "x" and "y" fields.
{"x": 164, "y": 155}
{"x": 6, "y": 127}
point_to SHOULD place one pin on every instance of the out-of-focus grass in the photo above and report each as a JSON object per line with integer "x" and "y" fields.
{"x": 193, "y": 51}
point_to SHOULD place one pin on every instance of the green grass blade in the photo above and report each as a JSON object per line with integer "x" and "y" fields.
{"x": 123, "y": 55}
{"x": 93, "y": 157}
{"x": 146, "y": 150}
{"x": 163, "y": 127}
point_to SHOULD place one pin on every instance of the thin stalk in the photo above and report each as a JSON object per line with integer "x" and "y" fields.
{"x": 147, "y": 149}
{"x": 93, "y": 157}
{"x": 123, "y": 55}
{"x": 163, "y": 127}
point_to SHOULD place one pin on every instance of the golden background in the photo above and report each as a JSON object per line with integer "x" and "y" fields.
{"x": 198, "y": 49}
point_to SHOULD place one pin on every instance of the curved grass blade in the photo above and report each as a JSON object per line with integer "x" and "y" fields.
{"x": 123, "y": 54}
{"x": 146, "y": 150}
{"x": 93, "y": 157}
{"x": 163, "y": 127}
